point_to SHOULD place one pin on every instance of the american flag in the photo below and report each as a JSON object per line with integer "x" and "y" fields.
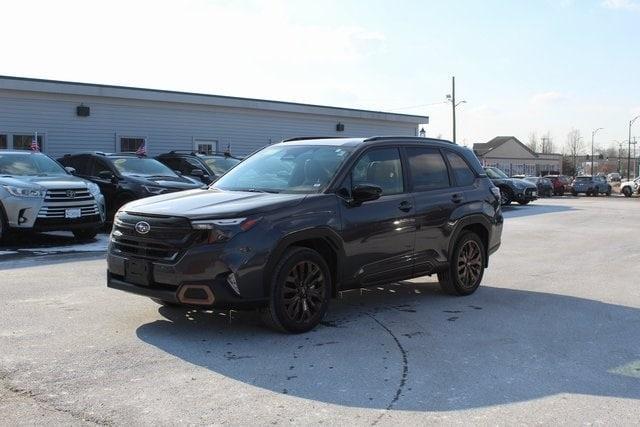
{"x": 142, "y": 150}
{"x": 34, "y": 144}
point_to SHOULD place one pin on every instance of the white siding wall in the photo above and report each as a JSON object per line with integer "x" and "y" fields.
{"x": 167, "y": 125}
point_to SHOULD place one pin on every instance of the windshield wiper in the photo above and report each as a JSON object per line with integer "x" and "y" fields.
{"x": 259, "y": 190}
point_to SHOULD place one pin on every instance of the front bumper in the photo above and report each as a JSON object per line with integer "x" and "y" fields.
{"x": 526, "y": 195}
{"x": 200, "y": 265}
{"x": 39, "y": 214}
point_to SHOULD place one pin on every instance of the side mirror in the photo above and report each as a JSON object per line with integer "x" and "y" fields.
{"x": 71, "y": 170}
{"x": 365, "y": 192}
{"x": 197, "y": 172}
{"x": 106, "y": 175}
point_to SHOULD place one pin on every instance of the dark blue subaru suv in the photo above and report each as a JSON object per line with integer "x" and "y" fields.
{"x": 301, "y": 220}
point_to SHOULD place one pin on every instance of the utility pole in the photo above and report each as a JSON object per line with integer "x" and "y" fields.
{"x": 631, "y": 122}
{"x": 593, "y": 134}
{"x": 452, "y": 98}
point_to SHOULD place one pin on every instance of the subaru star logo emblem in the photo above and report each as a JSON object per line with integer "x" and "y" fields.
{"x": 71, "y": 194}
{"x": 143, "y": 227}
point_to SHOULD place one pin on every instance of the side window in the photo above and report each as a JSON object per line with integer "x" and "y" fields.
{"x": 463, "y": 174}
{"x": 79, "y": 163}
{"x": 99, "y": 166}
{"x": 188, "y": 165}
{"x": 381, "y": 167}
{"x": 172, "y": 163}
{"x": 428, "y": 169}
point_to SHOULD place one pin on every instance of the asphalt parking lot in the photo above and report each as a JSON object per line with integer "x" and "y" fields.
{"x": 552, "y": 336}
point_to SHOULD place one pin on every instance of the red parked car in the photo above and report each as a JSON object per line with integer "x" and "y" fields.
{"x": 561, "y": 183}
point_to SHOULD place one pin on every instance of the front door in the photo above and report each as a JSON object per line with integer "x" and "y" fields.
{"x": 378, "y": 235}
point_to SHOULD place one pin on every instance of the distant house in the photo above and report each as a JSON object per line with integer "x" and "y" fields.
{"x": 514, "y": 158}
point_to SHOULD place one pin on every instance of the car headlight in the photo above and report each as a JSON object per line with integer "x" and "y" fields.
{"x": 222, "y": 230}
{"x": 154, "y": 190}
{"x": 93, "y": 189}
{"x": 25, "y": 191}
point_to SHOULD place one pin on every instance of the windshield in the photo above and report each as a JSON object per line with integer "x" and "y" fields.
{"x": 29, "y": 164}
{"x": 495, "y": 173}
{"x": 141, "y": 166}
{"x": 286, "y": 169}
{"x": 220, "y": 165}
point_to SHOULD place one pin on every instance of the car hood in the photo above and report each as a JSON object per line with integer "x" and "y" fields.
{"x": 213, "y": 203}
{"x": 513, "y": 181}
{"x": 51, "y": 182}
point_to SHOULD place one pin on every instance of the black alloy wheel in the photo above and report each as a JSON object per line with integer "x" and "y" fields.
{"x": 301, "y": 288}
{"x": 466, "y": 267}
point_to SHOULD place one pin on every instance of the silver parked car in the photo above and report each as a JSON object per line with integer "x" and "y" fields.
{"x": 37, "y": 193}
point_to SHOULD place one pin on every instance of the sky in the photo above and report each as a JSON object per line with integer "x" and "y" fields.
{"x": 521, "y": 66}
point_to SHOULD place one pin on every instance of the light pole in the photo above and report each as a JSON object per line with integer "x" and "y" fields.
{"x": 575, "y": 152}
{"x": 452, "y": 98}
{"x": 631, "y": 122}
{"x": 593, "y": 135}
{"x": 619, "y": 155}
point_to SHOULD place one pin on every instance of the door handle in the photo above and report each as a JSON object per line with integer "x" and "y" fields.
{"x": 405, "y": 206}
{"x": 456, "y": 198}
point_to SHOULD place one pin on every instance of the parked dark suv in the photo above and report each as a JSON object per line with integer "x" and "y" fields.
{"x": 300, "y": 220}
{"x": 123, "y": 177}
{"x": 204, "y": 167}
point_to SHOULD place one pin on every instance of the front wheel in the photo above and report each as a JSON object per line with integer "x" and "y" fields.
{"x": 85, "y": 233}
{"x": 574, "y": 193}
{"x": 626, "y": 191}
{"x": 524, "y": 202}
{"x": 300, "y": 291}
{"x": 466, "y": 266}
{"x": 505, "y": 196}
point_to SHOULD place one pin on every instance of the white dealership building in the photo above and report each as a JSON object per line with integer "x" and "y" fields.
{"x": 70, "y": 117}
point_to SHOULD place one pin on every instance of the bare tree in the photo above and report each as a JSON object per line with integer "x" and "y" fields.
{"x": 546, "y": 145}
{"x": 574, "y": 145}
{"x": 533, "y": 142}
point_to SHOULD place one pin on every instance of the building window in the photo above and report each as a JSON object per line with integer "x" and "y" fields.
{"x": 3, "y": 141}
{"x": 23, "y": 142}
{"x": 131, "y": 144}
{"x": 205, "y": 146}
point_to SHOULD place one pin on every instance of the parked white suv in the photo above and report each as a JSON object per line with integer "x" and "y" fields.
{"x": 630, "y": 187}
{"x": 37, "y": 193}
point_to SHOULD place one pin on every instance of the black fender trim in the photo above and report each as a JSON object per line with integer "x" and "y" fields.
{"x": 466, "y": 221}
{"x": 323, "y": 233}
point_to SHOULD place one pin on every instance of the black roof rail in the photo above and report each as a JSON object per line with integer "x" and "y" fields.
{"x": 408, "y": 138}
{"x": 303, "y": 138}
{"x": 97, "y": 153}
{"x": 181, "y": 151}
{"x": 124, "y": 153}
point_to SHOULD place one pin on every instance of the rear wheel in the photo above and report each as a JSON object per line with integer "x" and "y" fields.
{"x": 300, "y": 291}
{"x": 466, "y": 266}
{"x": 627, "y": 192}
{"x": 524, "y": 202}
{"x": 85, "y": 233}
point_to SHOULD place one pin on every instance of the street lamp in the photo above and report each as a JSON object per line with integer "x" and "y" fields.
{"x": 593, "y": 134}
{"x": 452, "y": 99}
{"x": 631, "y": 122}
{"x": 422, "y": 133}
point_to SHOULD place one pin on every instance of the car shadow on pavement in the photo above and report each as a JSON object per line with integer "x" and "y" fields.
{"x": 409, "y": 347}
{"x": 515, "y": 211}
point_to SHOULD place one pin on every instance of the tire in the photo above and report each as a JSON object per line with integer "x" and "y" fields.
{"x": 595, "y": 193}
{"x": 574, "y": 193}
{"x": 300, "y": 291}
{"x": 627, "y": 192}
{"x": 608, "y": 193}
{"x": 4, "y": 227}
{"x": 506, "y": 196}
{"x": 464, "y": 274}
{"x": 85, "y": 233}
{"x": 524, "y": 202}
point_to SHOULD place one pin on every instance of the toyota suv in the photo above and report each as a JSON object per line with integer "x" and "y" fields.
{"x": 204, "y": 167}
{"x": 301, "y": 220}
{"x": 38, "y": 194}
{"x": 124, "y": 177}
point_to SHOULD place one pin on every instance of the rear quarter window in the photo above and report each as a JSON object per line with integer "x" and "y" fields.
{"x": 462, "y": 173}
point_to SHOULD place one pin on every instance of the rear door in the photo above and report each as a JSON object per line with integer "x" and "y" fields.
{"x": 378, "y": 235}
{"x": 431, "y": 186}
